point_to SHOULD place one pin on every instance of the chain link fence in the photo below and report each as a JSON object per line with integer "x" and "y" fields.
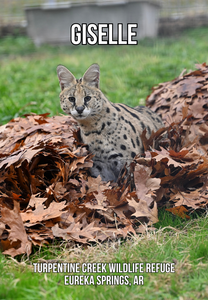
{"x": 12, "y": 11}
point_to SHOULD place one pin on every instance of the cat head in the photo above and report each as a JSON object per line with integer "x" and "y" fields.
{"x": 81, "y": 98}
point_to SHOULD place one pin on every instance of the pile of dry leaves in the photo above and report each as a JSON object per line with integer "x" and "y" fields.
{"x": 46, "y": 191}
{"x": 187, "y": 95}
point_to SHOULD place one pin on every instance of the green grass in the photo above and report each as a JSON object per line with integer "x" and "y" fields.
{"x": 186, "y": 247}
{"x": 28, "y": 80}
{"x": 28, "y": 83}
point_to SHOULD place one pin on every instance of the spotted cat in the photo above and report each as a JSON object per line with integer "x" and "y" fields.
{"x": 111, "y": 130}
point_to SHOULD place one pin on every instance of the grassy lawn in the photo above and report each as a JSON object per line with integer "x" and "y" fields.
{"x": 28, "y": 83}
{"x": 28, "y": 80}
{"x": 185, "y": 245}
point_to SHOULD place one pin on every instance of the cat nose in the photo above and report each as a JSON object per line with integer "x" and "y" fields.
{"x": 80, "y": 109}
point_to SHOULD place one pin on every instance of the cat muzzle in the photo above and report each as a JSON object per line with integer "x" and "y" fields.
{"x": 80, "y": 109}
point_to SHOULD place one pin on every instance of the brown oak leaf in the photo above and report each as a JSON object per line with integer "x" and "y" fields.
{"x": 17, "y": 234}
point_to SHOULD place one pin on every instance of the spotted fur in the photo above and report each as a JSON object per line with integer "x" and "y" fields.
{"x": 111, "y": 131}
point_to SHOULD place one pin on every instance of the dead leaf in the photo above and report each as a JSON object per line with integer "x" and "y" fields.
{"x": 143, "y": 210}
{"x": 42, "y": 214}
{"x": 179, "y": 211}
{"x": 17, "y": 233}
{"x": 144, "y": 184}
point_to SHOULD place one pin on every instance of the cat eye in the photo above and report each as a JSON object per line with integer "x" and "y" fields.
{"x": 87, "y": 98}
{"x": 71, "y": 99}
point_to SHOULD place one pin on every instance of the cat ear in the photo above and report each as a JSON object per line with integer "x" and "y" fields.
{"x": 92, "y": 76}
{"x": 66, "y": 78}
